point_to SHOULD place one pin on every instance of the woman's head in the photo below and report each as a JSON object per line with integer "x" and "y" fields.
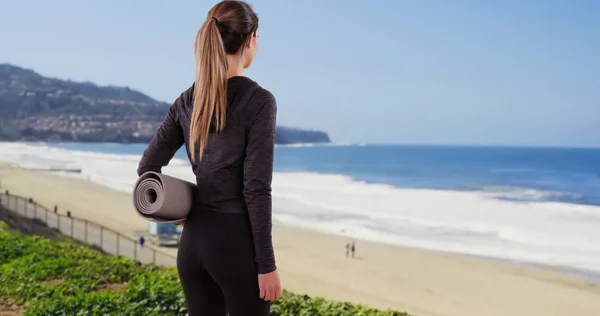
{"x": 237, "y": 25}
{"x": 226, "y": 41}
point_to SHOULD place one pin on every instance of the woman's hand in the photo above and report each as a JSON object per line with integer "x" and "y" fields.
{"x": 270, "y": 288}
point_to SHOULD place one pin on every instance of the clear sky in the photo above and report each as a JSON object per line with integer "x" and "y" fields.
{"x": 519, "y": 72}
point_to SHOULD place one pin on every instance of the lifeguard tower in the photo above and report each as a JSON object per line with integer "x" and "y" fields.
{"x": 164, "y": 234}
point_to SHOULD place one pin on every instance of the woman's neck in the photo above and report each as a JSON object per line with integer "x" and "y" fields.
{"x": 236, "y": 66}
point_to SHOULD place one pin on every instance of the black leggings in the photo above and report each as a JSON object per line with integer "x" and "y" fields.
{"x": 215, "y": 262}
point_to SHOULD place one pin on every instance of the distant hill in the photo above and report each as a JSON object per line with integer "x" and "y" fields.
{"x": 38, "y": 108}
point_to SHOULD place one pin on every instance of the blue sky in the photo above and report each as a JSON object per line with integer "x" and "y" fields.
{"x": 386, "y": 71}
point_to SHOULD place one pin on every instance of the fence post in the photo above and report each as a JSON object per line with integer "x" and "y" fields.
{"x": 25, "y": 207}
{"x": 86, "y": 231}
{"x": 101, "y": 237}
{"x": 71, "y": 226}
{"x": 35, "y": 210}
{"x": 134, "y": 250}
{"x": 153, "y": 256}
{"x": 57, "y": 221}
{"x": 118, "y": 235}
{"x": 46, "y": 216}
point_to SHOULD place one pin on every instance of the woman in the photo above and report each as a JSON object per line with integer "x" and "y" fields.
{"x": 227, "y": 123}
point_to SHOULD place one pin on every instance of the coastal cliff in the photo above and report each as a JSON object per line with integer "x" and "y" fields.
{"x": 38, "y": 108}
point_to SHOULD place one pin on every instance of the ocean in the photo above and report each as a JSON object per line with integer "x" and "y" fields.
{"x": 536, "y": 205}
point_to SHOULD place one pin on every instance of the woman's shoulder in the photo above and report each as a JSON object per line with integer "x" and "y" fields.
{"x": 187, "y": 96}
{"x": 183, "y": 101}
{"x": 253, "y": 99}
{"x": 261, "y": 96}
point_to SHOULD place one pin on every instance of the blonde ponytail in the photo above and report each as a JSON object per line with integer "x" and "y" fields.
{"x": 210, "y": 88}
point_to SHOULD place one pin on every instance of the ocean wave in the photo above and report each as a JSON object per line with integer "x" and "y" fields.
{"x": 480, "y": 222}
{"x": 332, "y": 144}
{"x": 521, "y": 194}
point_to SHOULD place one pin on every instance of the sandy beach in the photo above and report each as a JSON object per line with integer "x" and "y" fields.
{"x": 421, "y": 282}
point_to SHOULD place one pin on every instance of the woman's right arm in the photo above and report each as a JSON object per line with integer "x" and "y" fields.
{"x": 165, "y": 143}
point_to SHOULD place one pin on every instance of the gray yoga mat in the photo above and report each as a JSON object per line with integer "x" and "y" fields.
{"x": 163, "y": 199}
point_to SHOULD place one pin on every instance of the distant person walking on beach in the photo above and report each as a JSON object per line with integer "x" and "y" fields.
{"x": 142, "y": 241}
{"x": 350, "y": 248}
{"x": 226, "y": 121}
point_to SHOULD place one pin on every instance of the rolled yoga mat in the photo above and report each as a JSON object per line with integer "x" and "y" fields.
{"x": 163, "y": 199}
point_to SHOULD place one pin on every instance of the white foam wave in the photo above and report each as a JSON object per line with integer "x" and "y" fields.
{"x": 471, "y": 222}
{"x": 332, "y": 144}
{"x": 528, "y": 194}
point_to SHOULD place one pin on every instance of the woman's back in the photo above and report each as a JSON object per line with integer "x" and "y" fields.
{"x": 229, "y": 154}
{"x": 235, "y": 172}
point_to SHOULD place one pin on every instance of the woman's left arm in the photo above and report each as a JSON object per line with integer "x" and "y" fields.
{"x": 165, "y": 143}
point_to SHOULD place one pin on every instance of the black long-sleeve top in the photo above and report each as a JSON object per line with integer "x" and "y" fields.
{"x": 234, "y": 175}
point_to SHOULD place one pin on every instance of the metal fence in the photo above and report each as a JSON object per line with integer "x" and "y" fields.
{"x": 93, "y": 234}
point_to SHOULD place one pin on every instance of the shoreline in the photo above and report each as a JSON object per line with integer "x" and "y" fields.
{"x": 590, "y": 275}
{"x": 384, "y": 275}
{"x": 579, "y": 273}
{"x": 182, "y": 161}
